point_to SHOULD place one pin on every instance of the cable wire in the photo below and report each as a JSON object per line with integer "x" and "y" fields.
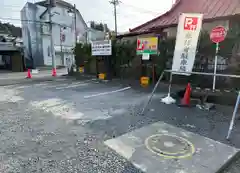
{"x": 141, "y": 10}
{"x": 35, "y": 21}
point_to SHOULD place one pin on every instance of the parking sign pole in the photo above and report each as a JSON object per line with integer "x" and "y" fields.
{"x": 151, "y": 95}
{"x": 217, "y": 35}
{"x": 215, "y": 66}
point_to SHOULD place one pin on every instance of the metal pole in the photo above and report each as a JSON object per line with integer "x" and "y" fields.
{"x": 75, "y": 23}
{"x": 115, "y": 16}
{"x": 153, "y": 91}
{"x": 73, "y": 62}
{"x": 206, "y": 74}
{"x": 115, "y": 3}
{"x": 215, "y": 67}
{"x": 234, "y": 116}
{"x": 62, "y": 55}
{"x": 170, "y": 85}
{"x": 51, "y": 39}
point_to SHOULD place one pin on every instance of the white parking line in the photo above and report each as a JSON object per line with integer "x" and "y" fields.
{"x": 105, "y": 93}
{"x": 62, "y": 86}
{"x": 72, "y": 86}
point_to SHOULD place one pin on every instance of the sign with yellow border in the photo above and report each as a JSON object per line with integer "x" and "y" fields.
{"x": 147, "y": 45}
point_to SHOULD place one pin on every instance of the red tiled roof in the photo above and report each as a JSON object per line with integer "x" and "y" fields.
{"x": 211, "y": 9}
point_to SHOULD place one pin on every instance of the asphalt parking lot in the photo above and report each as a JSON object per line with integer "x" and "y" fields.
{"x": 69, "y": 125}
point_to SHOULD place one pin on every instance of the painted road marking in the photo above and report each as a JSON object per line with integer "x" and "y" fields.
{"x": 106, "y": 93}
{"x": 62, "y": 86}
{"x": 58, "y": 107}
{"x": 185, "y": 151}
{"x": 10, "y": 95}
{"x": 68, "y": 110}
{"x": 72, "y": 86}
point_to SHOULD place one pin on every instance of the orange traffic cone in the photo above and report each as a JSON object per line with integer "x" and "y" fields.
{"x": 186, "y": 99}
{"x": 29, "y": 75}
{"x": 54, "y": 72}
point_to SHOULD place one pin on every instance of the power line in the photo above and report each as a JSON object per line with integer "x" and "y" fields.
{"x": 113, "y": 2}
{"x": 12, "y": 6}
{"x": 21, "y": 20}
{"x": 34, "y": 21}
{"x": 7, "y": 19}
{"x": 142, "y": 10}
{"x": 10, "y": 10}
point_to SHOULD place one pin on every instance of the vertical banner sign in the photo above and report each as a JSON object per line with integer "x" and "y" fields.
{"x": 147, "y": 45}
{"x": 189, "y": 27}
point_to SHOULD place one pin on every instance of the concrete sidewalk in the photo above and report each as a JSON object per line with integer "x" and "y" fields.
{"x": 20, "y": 77}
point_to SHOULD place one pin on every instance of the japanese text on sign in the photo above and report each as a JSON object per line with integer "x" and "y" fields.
{"x": 184, "y": 55}
{"x": 188, "y": 31}
{"x": 103, "y": 48}
{"x": 218, "y": 34}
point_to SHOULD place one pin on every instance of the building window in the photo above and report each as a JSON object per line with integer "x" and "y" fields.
{"x": 45, "y": 29}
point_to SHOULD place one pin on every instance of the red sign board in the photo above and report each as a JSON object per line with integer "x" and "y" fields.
{"x": 140, "y": 45}
{"x": 218, "y": 34}
{"x": 190, "y": 23}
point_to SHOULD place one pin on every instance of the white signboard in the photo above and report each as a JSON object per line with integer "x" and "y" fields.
{"x": 189, "y": 27}
{"x": 101, "y": 48}
{"x": 145, "y": 56}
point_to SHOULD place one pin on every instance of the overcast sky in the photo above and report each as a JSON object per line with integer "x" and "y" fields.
{"x": 130, "y": 13}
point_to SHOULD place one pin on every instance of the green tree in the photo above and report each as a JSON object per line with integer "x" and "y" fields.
{"x": 10, "y": 29}
{"x": 99, "y": 26}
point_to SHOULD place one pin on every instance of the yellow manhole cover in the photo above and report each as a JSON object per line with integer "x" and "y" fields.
{"x": 170, "y": 146}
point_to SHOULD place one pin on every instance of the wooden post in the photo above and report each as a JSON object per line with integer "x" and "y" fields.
{"x": 153, "y": 72}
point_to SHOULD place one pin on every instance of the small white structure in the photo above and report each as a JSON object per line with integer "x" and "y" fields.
{"x": 168, "y": 100}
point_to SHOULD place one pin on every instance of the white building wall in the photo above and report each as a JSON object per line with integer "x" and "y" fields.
{"x": 64, "y": 23}
{"x": 31, "y": 33}
{"x": 25, "y": 31}
{"x": 37, "y": 43}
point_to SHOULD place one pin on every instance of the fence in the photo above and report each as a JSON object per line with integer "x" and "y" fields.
{"x": 204, "y": 64}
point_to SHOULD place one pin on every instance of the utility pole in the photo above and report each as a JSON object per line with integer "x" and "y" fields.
{"x": 50, "y": 5}
{"x": 75, "y": 23}
{"x": 61, "y": 42}
{"x": 115, "y": 3}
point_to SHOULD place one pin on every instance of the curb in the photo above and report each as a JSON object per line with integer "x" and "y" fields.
{"x": 228, "y": 163}
{"x": 224, "y": 97}
{"x": 135, "y": 85}
{"x": 8, "y": 82}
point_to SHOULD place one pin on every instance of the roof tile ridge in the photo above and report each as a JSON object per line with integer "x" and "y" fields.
{"x": 156, "y": 18}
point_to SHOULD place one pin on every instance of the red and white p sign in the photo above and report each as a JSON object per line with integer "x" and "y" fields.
{"x": 190, "y": 23}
